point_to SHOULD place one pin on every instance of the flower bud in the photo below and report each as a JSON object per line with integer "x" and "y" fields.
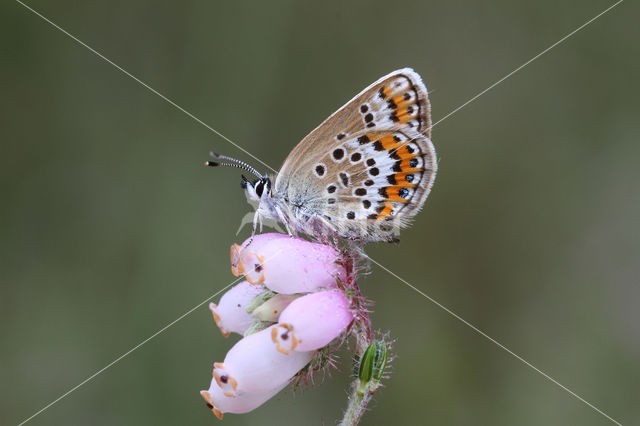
{"x": 231, "y": 314}
{"x": 312, "y": 321}
{"x": 254, "y": 365}
{"x": 272, "y": 308}
{"x": 241, "y": 403}
{"x": 372, "y": 365}
{"x": 287, "y": 265}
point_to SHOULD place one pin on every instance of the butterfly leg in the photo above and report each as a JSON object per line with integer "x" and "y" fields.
{"x": 284, "y": 220}
{"x": 256, "y": 219}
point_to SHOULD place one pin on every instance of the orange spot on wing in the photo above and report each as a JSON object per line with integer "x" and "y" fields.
{"x": 403, "y": 116}
{"x": 392, "y": 192}
{"x": 404, "y": 153}
{"x": 402, "y": 183}
{"x": 406, "y": 168}
{"x": 400, "y": 101}
{"x": 401, "y": 179}
{"x": 388, "y": 142}
{"x": 387, "y": 210}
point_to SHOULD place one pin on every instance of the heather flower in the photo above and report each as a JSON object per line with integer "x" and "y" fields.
{"x": 286, "y": 264}
{"x": 255, "y": 366}
{"x": 312, "y": 321}
{"x": 298, "y": 305}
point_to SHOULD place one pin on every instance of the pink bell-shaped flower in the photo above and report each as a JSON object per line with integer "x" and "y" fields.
{"x": 254, "y": 365}
{"x": 295, "y": 312}
{"x": 230, "y": 314}
{"x": 219, "y": 403}
{"x": 287, "y": 265}
{"x": 311, "y": 322}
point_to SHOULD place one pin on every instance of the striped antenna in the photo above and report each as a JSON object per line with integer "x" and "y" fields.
{"x": 238, "y": 164}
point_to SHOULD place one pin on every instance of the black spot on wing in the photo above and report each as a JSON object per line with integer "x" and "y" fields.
{"x": 344, "y": 178}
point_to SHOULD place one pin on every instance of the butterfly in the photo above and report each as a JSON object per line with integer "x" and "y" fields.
{"x": 362, "y": 174}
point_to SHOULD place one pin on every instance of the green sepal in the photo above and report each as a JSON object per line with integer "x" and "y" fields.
{"x": 256, "y": 326}
{"x": 372, "y": 365}
{"x": 259, "y": 300}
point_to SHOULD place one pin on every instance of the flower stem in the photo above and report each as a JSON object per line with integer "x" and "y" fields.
{"x": 359, "y": 397}
{"x": 361, "y": 392}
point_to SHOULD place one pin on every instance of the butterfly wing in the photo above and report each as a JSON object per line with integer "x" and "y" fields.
{"x": 369, "y": 167}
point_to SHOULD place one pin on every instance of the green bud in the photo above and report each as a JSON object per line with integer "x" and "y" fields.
{"x": 372, "y": 365}
{"x": 256, "y": 326}
{"x": 272, "y": 308}
{"x": 259, "y": 300}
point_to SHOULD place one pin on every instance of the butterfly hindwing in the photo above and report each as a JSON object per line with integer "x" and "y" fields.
{"x": 382, "y": 176}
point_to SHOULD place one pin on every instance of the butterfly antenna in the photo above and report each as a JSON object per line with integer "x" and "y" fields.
{"x": 234, "y": 163}
{"x": 237, "y": 166}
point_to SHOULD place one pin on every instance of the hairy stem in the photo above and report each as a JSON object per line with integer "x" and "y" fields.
{"x": 359, "y": 398}
{"x": 361, "y": 393}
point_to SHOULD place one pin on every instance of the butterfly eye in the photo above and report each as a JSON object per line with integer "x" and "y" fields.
{"x": 259, "y": 188}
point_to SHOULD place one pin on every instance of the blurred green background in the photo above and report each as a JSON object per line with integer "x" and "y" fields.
{"x": 111, "y": 228}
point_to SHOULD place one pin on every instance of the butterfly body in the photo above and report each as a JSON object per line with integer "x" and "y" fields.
{"x": 364, "y": 172}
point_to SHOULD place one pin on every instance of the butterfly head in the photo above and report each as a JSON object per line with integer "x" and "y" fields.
{"x": 258, "y": 189}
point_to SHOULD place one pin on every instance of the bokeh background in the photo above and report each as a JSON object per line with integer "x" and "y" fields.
{"x": 111, "y": 228}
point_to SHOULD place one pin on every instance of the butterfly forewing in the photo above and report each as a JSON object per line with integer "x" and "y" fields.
{"x": 370, "y": 166}
{"x": 396, "y": 100}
